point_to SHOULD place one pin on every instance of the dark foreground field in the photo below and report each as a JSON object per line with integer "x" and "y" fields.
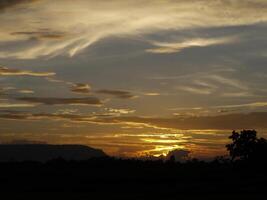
{"x": 109, "y": 178}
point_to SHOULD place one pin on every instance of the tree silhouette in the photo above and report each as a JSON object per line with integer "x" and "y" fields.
{"x": 246, "y": 146}
{"x": 172, "y": 159}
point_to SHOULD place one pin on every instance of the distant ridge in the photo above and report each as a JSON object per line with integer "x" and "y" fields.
{"x": 45, "y": 152}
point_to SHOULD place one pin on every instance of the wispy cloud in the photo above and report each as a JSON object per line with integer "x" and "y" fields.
{"x": 120, "y": 110}
{"x": 222, "y": 82}
{"x": 214, "y": 110}
{"x": 4, "y": 71}
{"x": 26, "y": 91}
{"x": 195, "y": 90}
{"x": 251, "y": 105}
{"x": 16, "y": 105}
{"x": 41, "y": 34}
{"x": 238, "y": 94}
{"x": 81, "y": 88}
{"x": 87, "y": 22}
{"x": 198, "y": 74}
{"x": 152, "y": 94}
{"x": 228, "y": 81}
{"x": 173, "y": 47}
{"x": 221, "y": 122}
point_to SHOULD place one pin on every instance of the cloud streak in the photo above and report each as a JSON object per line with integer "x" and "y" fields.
{"x": 117, "y": 93}
{"x": 62, "y": 101}
{"x": 251, "y": 105}
{"x": 174, "y": 47}
{"x": 41, "y": 34}
{"x": 81, "y": 88}
{"x": 16, "y": 105}
{"x": 195, "y": 90}
{"x": 4, "y": 71}
{"x": 219, "y": 122}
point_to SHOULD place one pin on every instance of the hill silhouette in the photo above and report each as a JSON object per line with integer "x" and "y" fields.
{"x": 241, "y": 175}
{"x": 46, "y": 152}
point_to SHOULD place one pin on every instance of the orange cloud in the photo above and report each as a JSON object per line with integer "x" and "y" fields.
{"x": 4, "y": 71}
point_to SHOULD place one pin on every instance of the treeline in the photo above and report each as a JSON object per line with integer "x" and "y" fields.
{"x": 243, "y": 173}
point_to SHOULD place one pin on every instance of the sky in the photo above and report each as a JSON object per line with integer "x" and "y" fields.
{"x": 133, "y": 78}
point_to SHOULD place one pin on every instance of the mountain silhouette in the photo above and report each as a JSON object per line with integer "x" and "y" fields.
{"x": 45, "y": 152}
{"x": 74, "y": 172}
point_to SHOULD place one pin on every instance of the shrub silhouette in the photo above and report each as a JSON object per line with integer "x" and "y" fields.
{"x": 246, "y": 146}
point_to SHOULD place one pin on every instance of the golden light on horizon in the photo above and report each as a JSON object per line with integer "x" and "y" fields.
{"x": 133, "y": 77}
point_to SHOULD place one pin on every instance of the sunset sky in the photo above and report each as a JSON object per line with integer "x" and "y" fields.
{"x": 133, "y": 77}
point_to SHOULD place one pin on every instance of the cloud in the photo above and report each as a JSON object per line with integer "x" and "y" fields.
{"x": 195, "y": 90}
{"x": 7, "y": 88}
{"x": 62, "y": 101}
{"x": 251, "y": 105}
{"x": 117, "y": 93}
{"x": 25, "y": 116}
{"x": 237, "y": 94}
{"x": 223, "y": 122}
{"x": 213, "y": 110}
{"x": 16, "y": 105}
{"x": 227, "y": 81}
{"x": 26, "y": 91}
{"x": 81, "y": 88}
{"x": 222, "y": 82}
{"x": 151, "y": 94}
{"x": 173, "y": 47}
{"x": 195, "y": 75}
{"x": 256, "y": 120}
{"x": 4, "y": 71}
{"x": 87, "y": 22}
{"x": 180, "y": 155}
{"x": 120, "y": 111}
{"x": 42, "y": 34}
{"x": 212, "y": 83}
{"x": 5, "y": 4}
{"x": 24, "y": 141}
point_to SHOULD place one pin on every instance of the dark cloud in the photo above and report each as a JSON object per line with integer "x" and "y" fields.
{"x": 117, "y": 93}
{"x": 12, "y": 111}
{"x": 24, "y": 141}
{"x": 15, "y": 116}
{"x": 222, "y": 122}
{"x": 180, "y": 155}
{"x": 230, "y": 121}
{"x": 4, "y": 71}
{"x": 41, "y": 34}
{"x": 254, "y": 120}
{"x": 51, "y": 116}
{"x": 5, "y": 4}
{"x": 81, "y": 88}
{"x": 62, "y": 101}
